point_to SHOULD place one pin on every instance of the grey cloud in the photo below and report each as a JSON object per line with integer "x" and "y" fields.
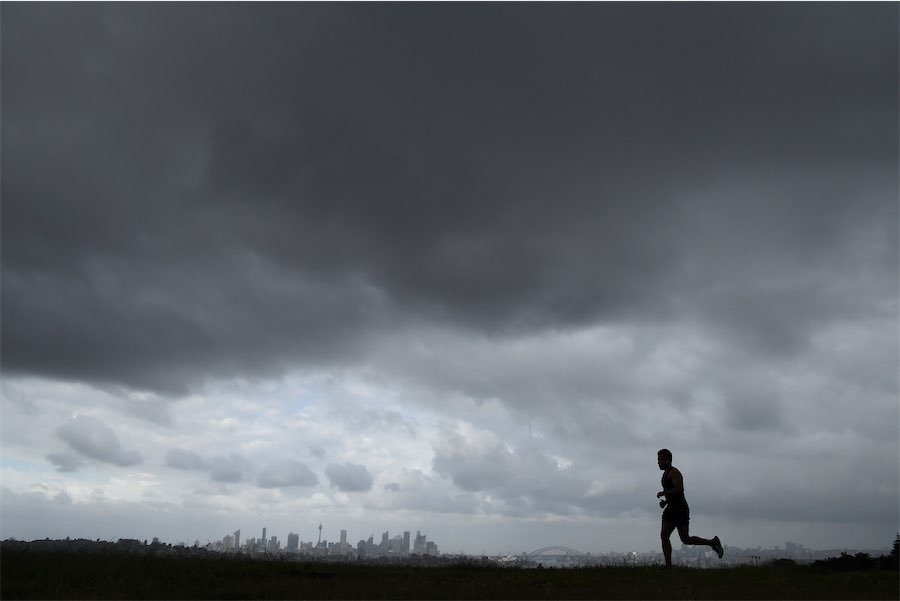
{"x": 65, "y": 462}
{"x": 232, "y": 468}
{"x": 94, "y": 439}
{"x": 503, "y": 189}
{"x": 289, "y": 473}
{"x": 417, "y": 491}
{"x": 525, "y": 479}
{"x": 377, "y": 419}
{"x": 799, "y": 486}
{"x": 186, "y": 460}
{"x": 349, "y": 477}
{"x": 757, "y": 410}
{"x": 155, "y": 410}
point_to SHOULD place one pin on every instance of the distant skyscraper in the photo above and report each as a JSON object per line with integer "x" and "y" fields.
{"x": 343, "y": 541}
{"x": 419, "y": 544}
{"x": 384, "y": 541}
{"x": 293, "y": 542}
{"x": 320, "y": 535}
{"x": 273, "y": 544}
{"x": 237, "y": 538}
{"x": 406, "y": 541}
{"x": 228, "y": 543}
{"x": 262, "y": 541}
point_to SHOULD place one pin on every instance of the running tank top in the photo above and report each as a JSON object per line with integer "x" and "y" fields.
{"x": 675, "y": 499}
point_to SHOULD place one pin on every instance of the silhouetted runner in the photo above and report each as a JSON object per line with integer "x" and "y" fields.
{"x": 676, "y": 513}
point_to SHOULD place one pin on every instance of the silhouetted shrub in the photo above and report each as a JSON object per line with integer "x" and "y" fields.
{"x": 859, "y": 562}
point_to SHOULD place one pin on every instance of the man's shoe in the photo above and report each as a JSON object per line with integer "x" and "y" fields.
{"x": 717, "y": 547}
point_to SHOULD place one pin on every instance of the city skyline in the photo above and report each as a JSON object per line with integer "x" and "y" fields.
{"x": 461, "y": 268}
{"x": 403, "y": 550}
{"x": 294, "y": 541}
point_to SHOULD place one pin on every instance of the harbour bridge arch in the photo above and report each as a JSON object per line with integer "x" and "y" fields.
{"x": 568, "y": 551}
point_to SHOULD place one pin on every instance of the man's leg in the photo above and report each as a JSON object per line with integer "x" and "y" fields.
{"x": 714, "y": 542}
{"x": 667, "y": 529}
{"x": 686, "y": 538}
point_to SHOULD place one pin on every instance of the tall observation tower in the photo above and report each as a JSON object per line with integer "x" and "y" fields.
{"x": 320, "y": 534}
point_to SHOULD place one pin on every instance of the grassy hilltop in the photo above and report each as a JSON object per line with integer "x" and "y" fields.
{"x": 60, "y": 575}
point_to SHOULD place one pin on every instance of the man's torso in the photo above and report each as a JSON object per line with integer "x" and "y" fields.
{"x": 675, "y": 499}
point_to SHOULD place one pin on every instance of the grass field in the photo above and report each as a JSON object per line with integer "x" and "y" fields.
{"x": 30, "y": 575}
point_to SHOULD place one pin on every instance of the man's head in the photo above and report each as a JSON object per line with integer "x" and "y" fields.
{"x": 664, "y": 458}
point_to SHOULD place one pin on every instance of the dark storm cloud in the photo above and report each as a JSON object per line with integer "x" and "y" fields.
{"x": 192, "y": 192}
{"x": 94, "y": 439}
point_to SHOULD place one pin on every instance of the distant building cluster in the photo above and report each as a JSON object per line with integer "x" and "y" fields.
{"x": 793, "y": 551}
{"x": 702, "y": 557}
{"x": 397, "y": 546}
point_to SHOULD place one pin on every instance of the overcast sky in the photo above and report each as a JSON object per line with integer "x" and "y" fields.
{"x": 457, "y": 268}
